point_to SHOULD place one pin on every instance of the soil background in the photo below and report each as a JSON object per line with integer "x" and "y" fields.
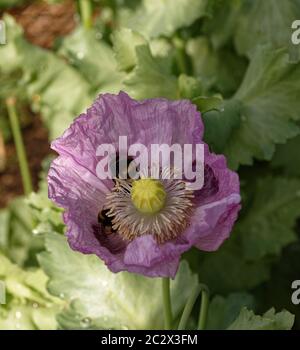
{"x": 43, "y": 24}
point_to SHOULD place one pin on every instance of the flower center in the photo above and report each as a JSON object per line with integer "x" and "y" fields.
{"x": 161, "y": 208}
{"x": 148, "y": 195}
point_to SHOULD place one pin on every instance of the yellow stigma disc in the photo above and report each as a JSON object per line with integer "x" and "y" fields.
{"x": 148, "y": 195}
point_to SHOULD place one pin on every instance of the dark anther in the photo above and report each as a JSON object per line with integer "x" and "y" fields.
{"x": 105, "y": 221}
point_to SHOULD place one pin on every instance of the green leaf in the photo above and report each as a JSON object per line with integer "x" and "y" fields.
{"x": 220, "y": 124}
{"x": 267, "y": 225}
{"x": 125, "y": 41}
{"x": 189, "y": 87}
{"x": 269, "y": 104}
{"x": 163, "y": 17}
{"x": 220, "y": 71}
{"x": 223, "y": 311}
{"x": 142, "y": 82}
{"x": 287, "y": 157}
{"x": 265, "y": 22}
{"x": 207, "y": 104}
{"x": 264, "y": 228}
{"x": 29, "y": 305}
{"x": 23, "y": 284}
{"x": 94, "y": 59}
{"x": 28, "y": 317}
{"x": 227, "y": 270}
{"x": 144, "y": 69}
{"x": 55, "y": 89}
{"x": 47, "y": 216}
{"x": 62, "y": 94}
{"x": 221, "y": 26}
{"x": 16, "y": 238}
{"x": 247, "y": 320}
{"x": 162, "y": 47}
{"x": 102, "y": 299}
{"x": 278, "y": 290}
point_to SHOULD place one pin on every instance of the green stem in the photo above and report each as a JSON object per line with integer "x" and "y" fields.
{"x": 167, "y": 303}
{"x": 86, "y": 13}
{"x": 2, "y": 153}
{"x": 200, "y": 288}
{"x": 16, "y": 130}
{"x": 189, "y": 307}
{"x": 203, "y": 308}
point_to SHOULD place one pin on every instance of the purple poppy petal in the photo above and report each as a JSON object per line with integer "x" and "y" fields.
{"x": 73, "y": 183}
{"x": 76, "y": 190}
{"x": 211, "y": 224}
{"x": 147, "y": 122}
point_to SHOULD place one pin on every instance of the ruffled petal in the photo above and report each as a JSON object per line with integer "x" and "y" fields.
{"x": 82, "y": 195}
{"x": 146, "y": 122}
{"x": 73, "y": 183}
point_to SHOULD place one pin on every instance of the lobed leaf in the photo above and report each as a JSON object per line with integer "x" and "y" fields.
{"x": 103, "y": 300}
{"x": 247, "y": 320}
